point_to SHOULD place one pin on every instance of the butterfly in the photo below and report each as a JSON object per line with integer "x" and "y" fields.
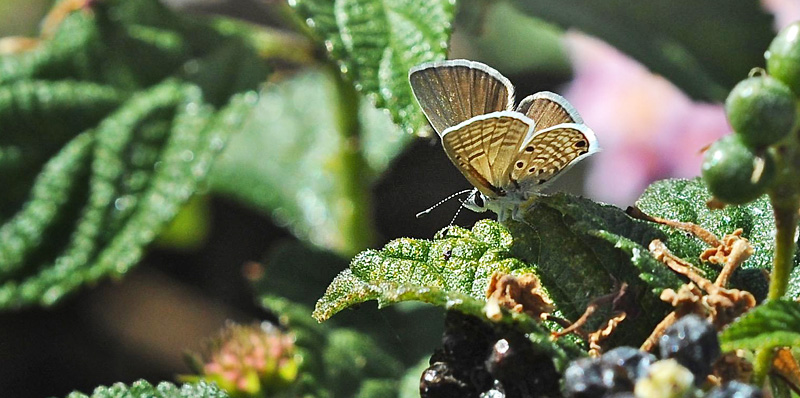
{"x": 507, "y": 153}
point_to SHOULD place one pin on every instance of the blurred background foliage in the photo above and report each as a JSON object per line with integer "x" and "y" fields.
{"x": 290, "y": 199}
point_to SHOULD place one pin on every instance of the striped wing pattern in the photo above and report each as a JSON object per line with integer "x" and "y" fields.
{"x": 550, "y": 152}
{"x": 484, "y": 147}
{"x": 548, "y": 110}
{"x": 451, "y": 92}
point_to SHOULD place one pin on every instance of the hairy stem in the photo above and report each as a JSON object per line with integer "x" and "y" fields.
{"x": 353, "y": 213}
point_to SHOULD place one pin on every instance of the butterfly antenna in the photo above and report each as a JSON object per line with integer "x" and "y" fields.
{"x": 472, "y": 193}
{"x": 428, "y": 210}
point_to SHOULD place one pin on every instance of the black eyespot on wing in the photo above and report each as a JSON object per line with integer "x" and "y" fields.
{"x": 580, "y": 144}
{"x": 532, "y": 169}
{"x": 529, "y": 148}
{"x": 520, "y": 165}
{"x": 582, "y": 153}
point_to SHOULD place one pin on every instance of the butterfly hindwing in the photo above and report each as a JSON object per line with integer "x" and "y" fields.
{"x": 450, "y": 92}
{"x": 548, "y": 109}
{"x": 484, "y": 146}
{"x": 549, "y": 152}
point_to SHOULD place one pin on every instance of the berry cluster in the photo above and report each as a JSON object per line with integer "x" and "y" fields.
{"x": 688, "y": 350}
{"x": 762, "y": 111}
{"x": 477, "y": 359}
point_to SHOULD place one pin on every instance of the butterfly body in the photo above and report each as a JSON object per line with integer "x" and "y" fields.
{"x": 508, "y": 155}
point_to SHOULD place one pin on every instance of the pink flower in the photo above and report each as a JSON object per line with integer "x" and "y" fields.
{"x": 647, "y": 127}
{"x": 786, "y": 11}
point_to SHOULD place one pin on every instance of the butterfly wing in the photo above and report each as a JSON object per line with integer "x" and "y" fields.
{"x": 450, "y": 92}
{"x": 483, "y": 147}
{"x": 548, "y": 153}
{"x": 548, "y": 109}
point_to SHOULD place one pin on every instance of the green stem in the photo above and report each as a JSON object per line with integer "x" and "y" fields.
{"x": 785, "y": 199}
{"x": 273, "y": 44}
{"x": 786, "y": 219}
{"x": 354, "y": 213}
{"x": 761, "y": 365}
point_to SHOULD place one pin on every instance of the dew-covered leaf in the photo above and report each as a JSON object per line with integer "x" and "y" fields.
{"x": 685, "y": 200}
{"x": 143, "y": 389}
{"x": 120, "y": 102}
{"x": 460, "y": 262}
{"x": 580, "y": 250}
{"x": 773, "y": 324}
{"x": 292, "y": 161}
{"x": 376, "y": 42}
{"x": 664, "y": 36}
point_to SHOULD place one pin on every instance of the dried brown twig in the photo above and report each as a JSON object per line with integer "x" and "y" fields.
{"x": 712, "y": 300}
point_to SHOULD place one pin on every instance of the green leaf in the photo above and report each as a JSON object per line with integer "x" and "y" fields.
{"x": 664, "y": 36}
{"x": 128, "y": 142}
{"x": 378, "y": 388}
{"x": 579, "y": 250}
{"x": 409, "y": 384}
{"x": 39, "y": 117}
{"x": 459, "y": 262}
{"x": 376, "y": 42}
{"x": 143, "y": 389}
{"x": 773, "y": 324}
{"x": 583, "y": 250}
{"x": 291, "y": 160}
{"x": 685, "y": 200}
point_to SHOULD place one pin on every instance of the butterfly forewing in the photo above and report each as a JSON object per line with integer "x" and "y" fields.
{"x": 548, "y": 109}
{"x": 483, "y": 147}
{"x": 451, "y": 92}
{"x": 549, "y": 152}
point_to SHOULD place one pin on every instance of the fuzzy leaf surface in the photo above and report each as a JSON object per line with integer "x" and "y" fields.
{"x": 579, "y": 250}
{"x": 143, "y": 389}
{"x": 113, "y": 123}
{"x": 685, "y": 200}
{"x": 774, "y": 324}
{"x": 376, "y": 42}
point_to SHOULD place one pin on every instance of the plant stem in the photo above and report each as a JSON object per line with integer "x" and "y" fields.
{"x": 354, "y": 213}
{"x": 785, "y": 199}
{"x": 785, "y": 229}
{"x": 271, "y": 43}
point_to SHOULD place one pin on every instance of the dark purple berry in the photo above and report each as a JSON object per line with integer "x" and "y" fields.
{"x": 591, "y": 377}
{"x": 735, "y": 389}
{"x": 520, "y": 369}
{"x": 693, "y": 342}
{"x": 634, "y": 360}
{"x": 497, "y": 391}
{"x": 439, "y": 381}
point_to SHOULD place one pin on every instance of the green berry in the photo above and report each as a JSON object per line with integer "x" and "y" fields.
{"x": 730, "y": 168}
{"x": 761, "y": 110}
{"x": 783, "y": 57}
